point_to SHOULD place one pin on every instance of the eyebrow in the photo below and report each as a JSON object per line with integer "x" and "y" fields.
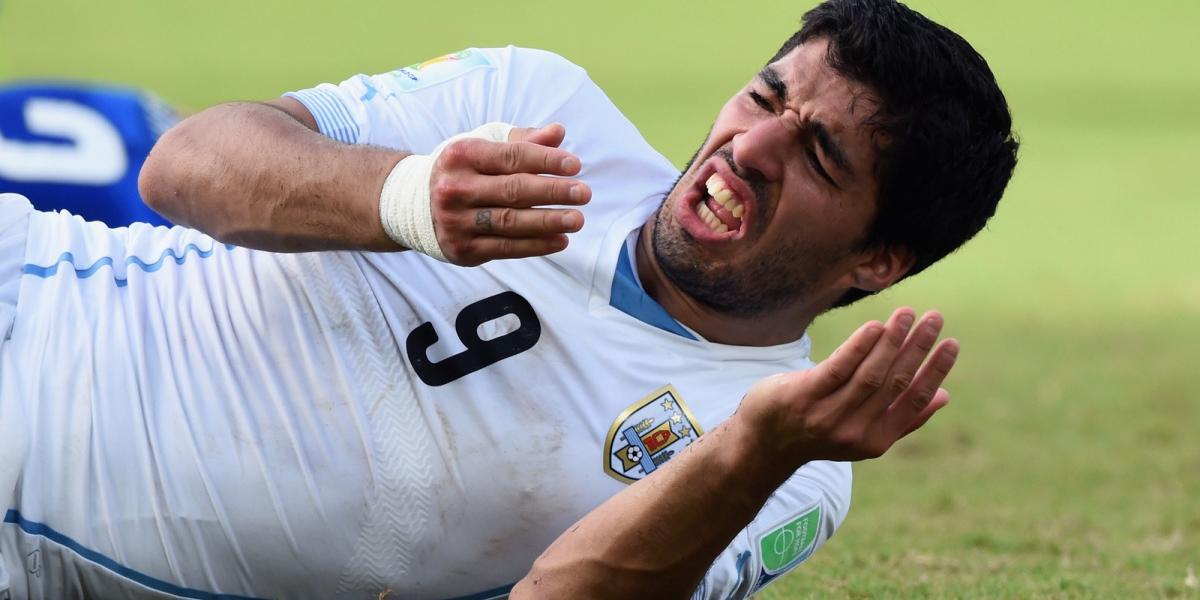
{"x": 770, "y": 77}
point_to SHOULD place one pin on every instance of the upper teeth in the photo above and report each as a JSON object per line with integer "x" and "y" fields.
{"x": 724, "y": 196}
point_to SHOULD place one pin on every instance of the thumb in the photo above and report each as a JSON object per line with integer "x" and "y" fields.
{"x": 551, "y": 135}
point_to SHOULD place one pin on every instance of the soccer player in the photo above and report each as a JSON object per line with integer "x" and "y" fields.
{"x": 79, "y": 147}
{"x": 184, "y": 417}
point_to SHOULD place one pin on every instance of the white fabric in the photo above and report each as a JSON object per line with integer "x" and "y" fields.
{"x": 265, "y": 425}
{"x": 404, "y": 203}
{"x": 14, "y": 220}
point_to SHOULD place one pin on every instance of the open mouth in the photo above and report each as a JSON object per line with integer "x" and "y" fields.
{"x": 721, "y": 210}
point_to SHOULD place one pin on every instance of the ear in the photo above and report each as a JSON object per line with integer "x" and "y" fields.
{"x": 881, "y": 267}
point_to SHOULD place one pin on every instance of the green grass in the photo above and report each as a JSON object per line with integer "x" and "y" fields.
{"x": 1068, "y": 464}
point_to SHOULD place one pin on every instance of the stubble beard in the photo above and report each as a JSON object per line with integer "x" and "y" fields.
{"x": 754, "y": 287}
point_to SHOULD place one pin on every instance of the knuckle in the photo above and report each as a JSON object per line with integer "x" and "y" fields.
{"x": 511, "y": 156}
{"x": 512, "y": 188}
{"x": 900, "y": 382}
{"x": 871, "y": 381}
{"x": 444, "y": 190}
{"x": 456, "y": 154}
{"x": 507, "y": 219}
{"x": 921, "y": 399}
{"x": 562, "y": 189}
{"x": 836, "y": 373}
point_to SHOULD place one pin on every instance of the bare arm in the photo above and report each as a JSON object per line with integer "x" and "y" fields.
{"x": 651, "y": 541}
{"x": 260, "y": 175}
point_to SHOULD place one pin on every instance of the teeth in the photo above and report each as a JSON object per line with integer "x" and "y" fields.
{"x": 712, "y": 220}
{"x": 719, "y": 191}
{"x": 715, "y": 184}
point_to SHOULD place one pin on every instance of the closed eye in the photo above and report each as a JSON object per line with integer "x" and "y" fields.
{"x": 816, "y": 165}
{"x": 760, "y": 101}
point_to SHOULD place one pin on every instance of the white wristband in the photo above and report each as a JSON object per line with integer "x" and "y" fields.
{"x": 404, "y": 203}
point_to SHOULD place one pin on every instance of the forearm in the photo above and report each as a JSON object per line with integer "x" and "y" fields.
{"x": 652, "y": 540}
{"x": 252, "y": 174}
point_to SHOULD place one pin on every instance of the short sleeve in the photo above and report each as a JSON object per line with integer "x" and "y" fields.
{"x": 415, "y": 108}
{"x": 798, "y": 519}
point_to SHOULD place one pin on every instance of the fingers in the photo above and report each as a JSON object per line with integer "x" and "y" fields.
{"x": 940, "y": 400}
{"x": 551, "y": 135}
{"x": 485, "y": 248}
{"x": 522, "y": 190}
{"x": 875, "y": 369}
{"x": 533, "y": 222}
{"x": 835, "y": 371}
{"x": 915, "y": 401}
{"x": 497, "y": 158}
{"x": 916, "y": 347}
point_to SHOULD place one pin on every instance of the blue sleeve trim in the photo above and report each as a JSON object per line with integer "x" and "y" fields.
{"x": 48, "y": 271}
{"x": 333, "y": 118}
{"x": 41, "y": 529}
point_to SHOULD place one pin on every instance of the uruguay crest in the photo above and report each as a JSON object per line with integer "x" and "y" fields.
{"x": 648, "y": 434}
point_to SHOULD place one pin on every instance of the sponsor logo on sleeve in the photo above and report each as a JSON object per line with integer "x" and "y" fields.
{"x": 788, "y": 545}
{"x": 648, "y": 434}
{"x": 438, "y": 70}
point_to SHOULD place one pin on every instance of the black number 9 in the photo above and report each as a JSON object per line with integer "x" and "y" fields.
{"x": 479, "y": 353}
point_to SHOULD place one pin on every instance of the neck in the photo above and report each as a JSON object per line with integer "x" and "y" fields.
{"x": 773, "y": 328}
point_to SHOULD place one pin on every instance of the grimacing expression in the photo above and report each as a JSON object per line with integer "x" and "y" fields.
{"x": 773, "y": 208}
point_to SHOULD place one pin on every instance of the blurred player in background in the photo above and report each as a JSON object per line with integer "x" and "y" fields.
{"x": 79, "y": 147}
{"x": 187, "y": 418}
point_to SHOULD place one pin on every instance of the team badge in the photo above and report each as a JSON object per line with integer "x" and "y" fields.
{"x": 648, "y": 434}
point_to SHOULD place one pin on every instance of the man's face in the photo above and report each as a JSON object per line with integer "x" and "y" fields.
{"x": 774, "y": 207}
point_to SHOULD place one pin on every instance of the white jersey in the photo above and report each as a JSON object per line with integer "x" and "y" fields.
{"x": 195, "y": 420}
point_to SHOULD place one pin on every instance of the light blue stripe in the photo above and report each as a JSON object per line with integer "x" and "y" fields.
{"x": 40, "y": 529}
{"x": 492, "y": 594}
{"x": 51, "y": 270}
{"x": 632, "y": 439}
{"x": 629, "y": 297}
{"x": 335, "y": 123}
{"x": 333, "y": 118}
{"x": 326, "y": 121}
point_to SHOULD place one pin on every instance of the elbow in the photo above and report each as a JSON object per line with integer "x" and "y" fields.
{"x": 161, "y": 182}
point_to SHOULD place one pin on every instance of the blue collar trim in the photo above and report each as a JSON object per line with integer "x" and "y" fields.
{"x": 629, "y": 297}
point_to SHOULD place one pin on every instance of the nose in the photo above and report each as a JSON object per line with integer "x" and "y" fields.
{"x": 762, "y": 147}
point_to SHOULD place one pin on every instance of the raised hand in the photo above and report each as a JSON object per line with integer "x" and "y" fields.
{"x": 484, "y": 196}
{"x": 880, "y": 385}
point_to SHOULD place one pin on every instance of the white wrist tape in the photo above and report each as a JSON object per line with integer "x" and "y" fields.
{"x": 404, "y": 203}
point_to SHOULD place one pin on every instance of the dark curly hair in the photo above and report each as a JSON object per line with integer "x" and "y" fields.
{"x": 943, "y": 127}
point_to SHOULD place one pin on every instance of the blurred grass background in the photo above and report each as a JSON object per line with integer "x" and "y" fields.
{"x": 1069, "y": 462}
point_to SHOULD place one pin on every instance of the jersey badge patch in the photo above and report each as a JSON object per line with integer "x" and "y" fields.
{"x": 787, "y": 545}
{"x": 438, "y": 70}
{"x": 648, "y": 434}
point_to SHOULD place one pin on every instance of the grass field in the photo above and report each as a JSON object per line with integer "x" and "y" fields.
{"x": 1069, "y": 463}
